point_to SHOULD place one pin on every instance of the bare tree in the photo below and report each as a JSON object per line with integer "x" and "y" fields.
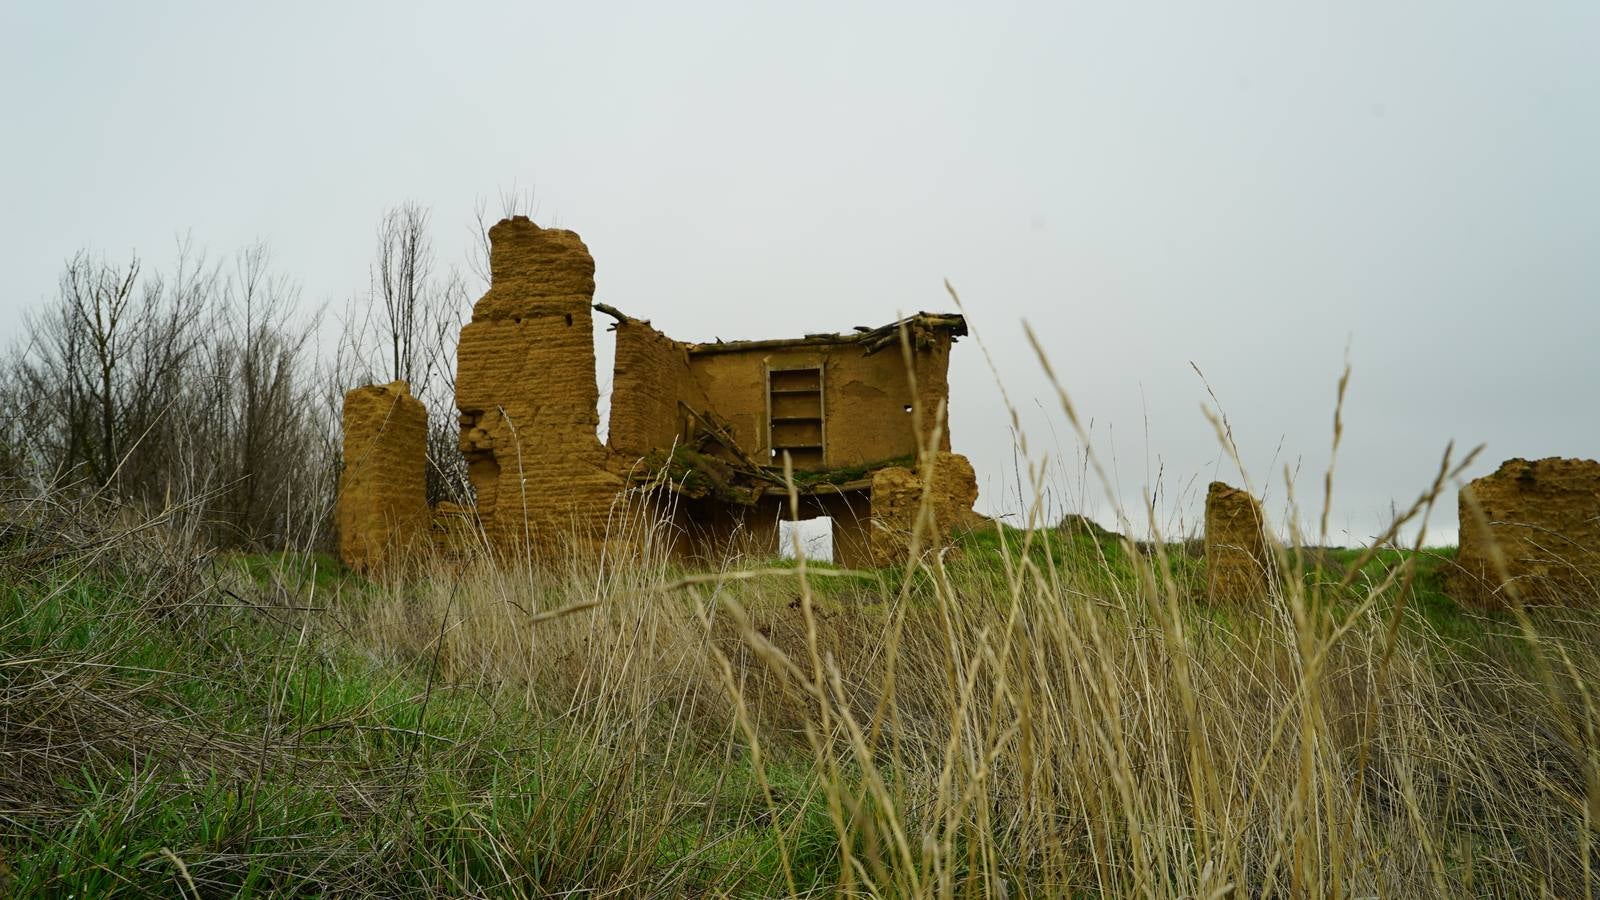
{"x": 512, "y": 202}
{"x": 104, "y": 366}
{"x": 404, "y": 277}
{"x": 406, "y": 328}
{"x": 186, "y": 391}
{"x": 198, "y": 389}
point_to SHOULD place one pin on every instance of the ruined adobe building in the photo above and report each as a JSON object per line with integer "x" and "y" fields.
{"x": 699, "y": 432}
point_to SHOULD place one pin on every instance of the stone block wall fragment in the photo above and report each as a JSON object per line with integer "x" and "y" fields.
{"x": 382, "y": 508}
{"x": 1239, "y": 562}
{"x": 1544, "y": 516}
{"x": 897, "y": 495}
{"x": 526, "y": 390}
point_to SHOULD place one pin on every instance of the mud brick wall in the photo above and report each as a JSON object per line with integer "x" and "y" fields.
{"x": 1544, "y": 516}
{"x": 526, "y": 391}
{"x": 897, "y": 498}
{"x": 650, "y": 377}
{"x": 1238, "y": 558}
{"x": 382, "y": 508}
{"x": 865, "y": 397}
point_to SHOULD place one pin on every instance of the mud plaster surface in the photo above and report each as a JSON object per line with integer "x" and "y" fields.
{"x": 382, "y": 508}
{"x": 865, "y": 397}
{"x": 1238, "y": 561}
{"x": 897, "y": 495}
{"x": 1544, "y": 515}
{"x": 526, "y": 391}
{"x": 527, "y": 399}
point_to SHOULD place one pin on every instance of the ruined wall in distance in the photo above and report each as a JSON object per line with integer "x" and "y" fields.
{"x": 525, "y": 387}
{"x": 1544, "y": 515}
{"x": 1238, "y": 558}
{"x": 897, "y": 497}
{"x": 382, "y": 508}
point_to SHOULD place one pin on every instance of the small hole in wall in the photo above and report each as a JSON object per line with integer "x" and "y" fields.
{"x": 908, "y": 408}
{"x": 569, "y": 320}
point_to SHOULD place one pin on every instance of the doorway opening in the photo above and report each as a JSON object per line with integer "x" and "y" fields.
{"x": 813, "y": 536}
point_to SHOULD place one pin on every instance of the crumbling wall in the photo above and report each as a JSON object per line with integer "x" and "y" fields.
{"x": 525, "y": 386}
{"x": 897, "y": 497}
{"x": 382, "y": 508}
{"x": 866, "y": 398}
{"x": 1544, "y": 516}
{"x": 649, "y": 380}
{"x": 931, "y": 365}
{"x": 1238, "y": 558}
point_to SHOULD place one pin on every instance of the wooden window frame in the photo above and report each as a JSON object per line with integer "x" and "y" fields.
{"x": 772, "y": 445}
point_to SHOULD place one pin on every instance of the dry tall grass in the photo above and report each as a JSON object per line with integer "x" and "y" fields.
{"x": 1035, "y": 725}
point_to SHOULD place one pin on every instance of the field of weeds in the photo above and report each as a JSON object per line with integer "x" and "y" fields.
{"x": 1039, "y": 712}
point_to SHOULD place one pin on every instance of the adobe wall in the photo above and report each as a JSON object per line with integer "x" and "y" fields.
{"x": 1238, "y": 558}
{"x": 865, "y": 396}
{"x": 897, "y": 495}
{"x": 527, "y": 397}
{"x": 651, "y": 376}
{"x": 382, "y": 509}
{"x": 525, "y": 386}
{"x": 1545, "y": 517}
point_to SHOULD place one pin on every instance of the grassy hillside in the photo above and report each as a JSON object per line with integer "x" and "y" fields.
{"x": 210, "y": 726}
{"x": 1044, "y": 713}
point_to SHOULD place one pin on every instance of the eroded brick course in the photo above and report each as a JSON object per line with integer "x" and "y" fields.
{"x": 897, "y": 497}
{"x": 1544, "y": 516}
{"x": 382, "y": 509}
{"x": 1238, "y": 558}
{"x": 525, "y": 387}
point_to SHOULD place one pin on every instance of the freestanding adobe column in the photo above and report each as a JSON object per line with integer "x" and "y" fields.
{"x": 382, "y": 508}
{"x": 1544, "y": 516}
{"x": 1238, "y": 560}
{"x": 897, "y": 495}
{"x": 525, "y": 386}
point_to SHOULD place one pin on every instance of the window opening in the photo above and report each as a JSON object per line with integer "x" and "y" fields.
{"x": 795, "y": 416}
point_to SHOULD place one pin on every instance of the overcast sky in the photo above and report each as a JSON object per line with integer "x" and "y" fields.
{"x": 1247, "y": 187}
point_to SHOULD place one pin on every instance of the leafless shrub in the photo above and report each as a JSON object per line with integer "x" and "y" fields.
{"x": 405, "y": 329}
{"x": 189, "y": 390}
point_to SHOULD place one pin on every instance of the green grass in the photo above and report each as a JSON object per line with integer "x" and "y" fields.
{"x": 270, "y": 724}
{"x": 269, "y": 755}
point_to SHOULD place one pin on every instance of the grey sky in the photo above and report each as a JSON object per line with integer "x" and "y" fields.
{"x": 1247, "y": 186}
